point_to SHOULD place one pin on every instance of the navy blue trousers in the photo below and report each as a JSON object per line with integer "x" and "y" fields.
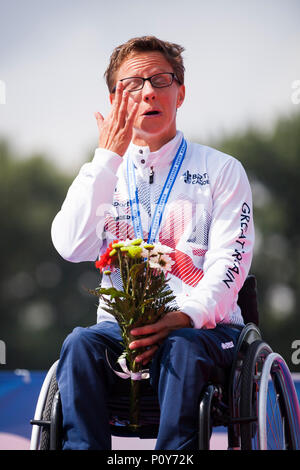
{"x": 178, "y": 372}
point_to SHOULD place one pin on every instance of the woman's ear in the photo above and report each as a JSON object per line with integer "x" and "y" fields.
{"x": 180, "y": 96}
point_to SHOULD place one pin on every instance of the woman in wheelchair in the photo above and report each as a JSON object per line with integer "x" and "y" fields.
{"x": 147, "y": 181}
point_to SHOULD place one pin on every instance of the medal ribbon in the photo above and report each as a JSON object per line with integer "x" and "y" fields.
{"x": 163, "y": 198}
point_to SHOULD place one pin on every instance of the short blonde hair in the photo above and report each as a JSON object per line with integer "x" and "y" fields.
{"x": 172, "y": 52}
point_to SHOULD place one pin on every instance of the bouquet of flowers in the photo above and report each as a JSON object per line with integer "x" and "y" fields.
{"x": 144, "y": 300}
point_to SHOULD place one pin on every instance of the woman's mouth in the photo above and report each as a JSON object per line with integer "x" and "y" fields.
{"x": 151, "y": 113}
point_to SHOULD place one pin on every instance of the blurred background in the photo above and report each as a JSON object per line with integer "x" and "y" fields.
{"x": 243, "y": 97}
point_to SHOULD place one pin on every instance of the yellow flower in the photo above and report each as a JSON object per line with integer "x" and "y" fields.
{"x": 135, "y": 251}
{"x": 118, "y": 245}
{"x": 148, "y": 246}
{"x": 137, "y": 241}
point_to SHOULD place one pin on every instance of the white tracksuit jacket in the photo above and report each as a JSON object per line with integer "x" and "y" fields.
{"x": 208, "y": 221}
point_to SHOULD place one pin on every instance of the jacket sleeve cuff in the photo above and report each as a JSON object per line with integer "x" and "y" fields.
{"x": 106, "y": 158}
{"x": 197, "y": 315}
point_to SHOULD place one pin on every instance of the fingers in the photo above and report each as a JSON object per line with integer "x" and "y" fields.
{"x": 122, "y": 111}
{"x": 156, "y": 333}
{"x": 115, "y": 106}
{"x": 99, "y": 119}
{"x": 149, "y": 341}
{"x": 115, "y": 131}
{"x": 131, "y": 116}
{"x": 117, "y": 99}
{"x": 147, "y": 355}
{"x": 121, "y": 115}
{"x": 148, "y": 329}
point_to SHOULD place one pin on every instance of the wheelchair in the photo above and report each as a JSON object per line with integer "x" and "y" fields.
{"x": 255, "y": 400}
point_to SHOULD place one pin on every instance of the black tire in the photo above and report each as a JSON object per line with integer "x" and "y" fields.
{"x": 252, "y": 367}
{"x": 45, "y": 435}
{"x": 205, "y": 412}
{"x": 249, "y": 334}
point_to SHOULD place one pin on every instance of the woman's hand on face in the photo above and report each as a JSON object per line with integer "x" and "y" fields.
{"x": 115, "y": 131}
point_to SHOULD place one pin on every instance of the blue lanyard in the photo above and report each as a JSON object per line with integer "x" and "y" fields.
{"x": 163, "y": 198}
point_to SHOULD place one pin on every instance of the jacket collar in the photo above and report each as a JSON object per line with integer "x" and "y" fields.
{"x": 143, "y": 158}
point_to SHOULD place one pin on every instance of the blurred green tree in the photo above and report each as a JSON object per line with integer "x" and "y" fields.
{"x": 42, "y": 297}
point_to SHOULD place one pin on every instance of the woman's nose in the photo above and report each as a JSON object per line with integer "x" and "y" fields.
{"x": 149, "y": 92}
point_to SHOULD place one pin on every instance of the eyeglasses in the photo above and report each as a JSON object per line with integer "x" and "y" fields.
{"x": 159, "y": 80}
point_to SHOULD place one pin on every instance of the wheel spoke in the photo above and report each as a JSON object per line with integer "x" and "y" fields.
{"x": 274, "y": 425}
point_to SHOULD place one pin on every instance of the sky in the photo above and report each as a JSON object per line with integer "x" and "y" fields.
{"x": 242, "y": 60}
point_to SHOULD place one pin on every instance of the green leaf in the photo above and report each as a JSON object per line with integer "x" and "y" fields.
{"x": 136, "y": 269}
{"x": 112, "y": 292}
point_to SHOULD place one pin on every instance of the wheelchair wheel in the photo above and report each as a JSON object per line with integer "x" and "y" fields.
{"x": 249, "y": 334}
{"x": 47, "y": 421}
{"x": 278, "y": 407}
{"x": 38, "y": 423}
{"x": 250, "y": 382}
{"x": 266, "y": 402}
{"x": 205, "y": 412}
{"x": 51, "y": 400}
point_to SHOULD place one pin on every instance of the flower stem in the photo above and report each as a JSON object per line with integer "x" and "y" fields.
{"x": 134, "y": 401}
{"x": 146, "y": 280}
